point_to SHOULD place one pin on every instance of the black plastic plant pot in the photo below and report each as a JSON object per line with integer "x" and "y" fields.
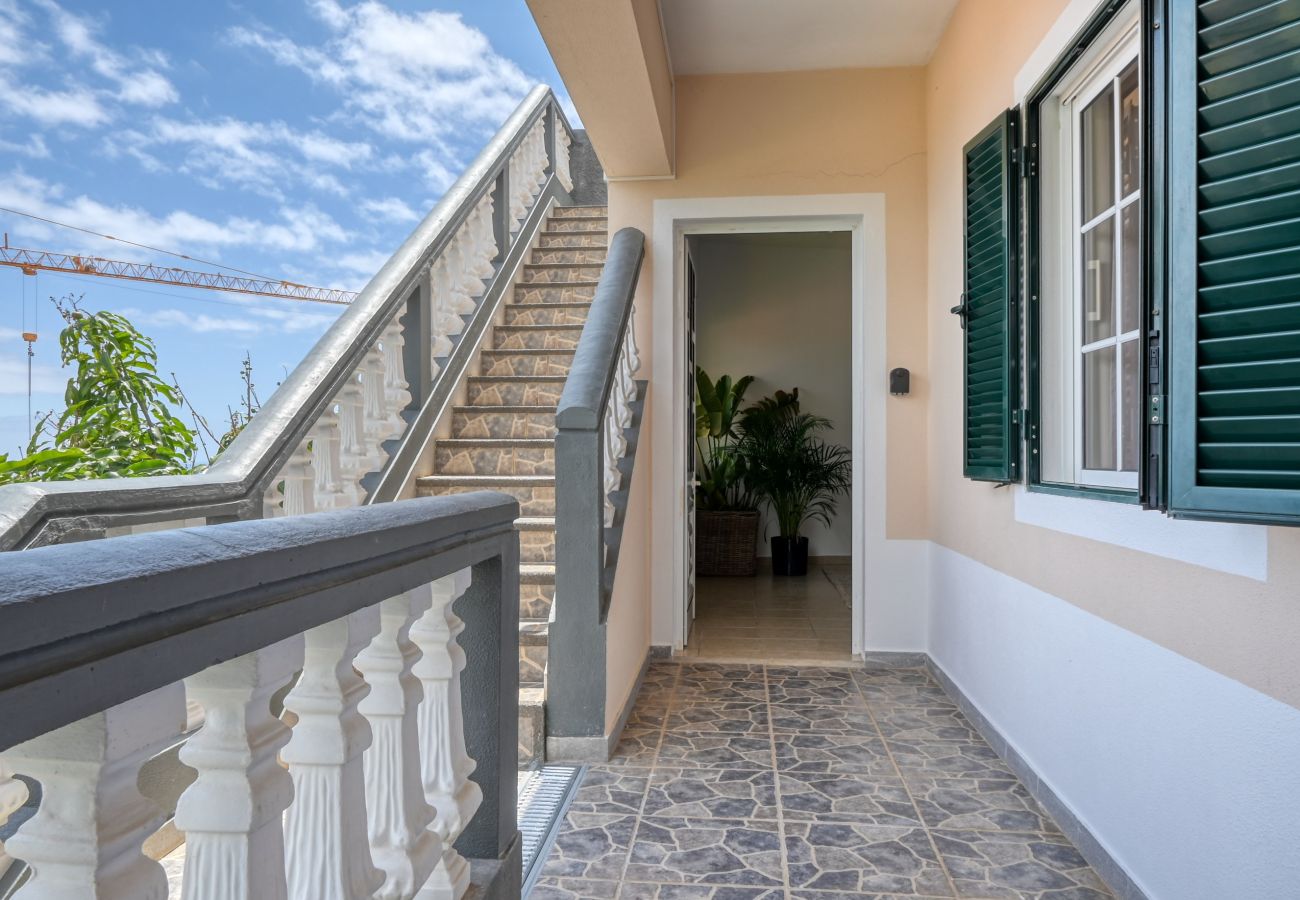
{"x": 789, "y": 556}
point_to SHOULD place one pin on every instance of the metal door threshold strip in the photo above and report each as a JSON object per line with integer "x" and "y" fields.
{"x": 544, "y": 796}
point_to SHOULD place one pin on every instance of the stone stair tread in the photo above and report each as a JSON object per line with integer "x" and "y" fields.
{"x": 557, "y": 284}
{"x": 490, "y": 480}
{"x": 537, "y": 573}
{"x": 497, "y": 442}
{"x": 566, "y": 233}
{"x": 564, "y": 265}
{"x": 532, "y": 632}
{"x": 532, "y": 696}
{"x": 535, "y": 523}
{"x": 526, "y": 351}
{"x": 567, "y": 326}
{"x": 567, "y": 304}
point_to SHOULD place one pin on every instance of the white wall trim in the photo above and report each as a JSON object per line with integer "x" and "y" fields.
{"x": 1068, "y": 24}
{"x": 1222, "y": 546}
{"x": 893, "y": 586}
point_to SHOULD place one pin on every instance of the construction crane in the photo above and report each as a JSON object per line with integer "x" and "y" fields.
{"x": 33, "y": 261}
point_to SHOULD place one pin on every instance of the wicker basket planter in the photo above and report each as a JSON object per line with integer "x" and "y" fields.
{"x": 726, "y": 543}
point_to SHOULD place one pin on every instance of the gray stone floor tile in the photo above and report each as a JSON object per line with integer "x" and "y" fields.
{"x": 716, "y": 793}
{"x": 823, "y": 720}
{"x": 726, "y": 717}
{"x": 611, "y": 789}
{"x": 706, "y": 851}
{"x": 833, "y": 753}
{"x": 937, "y": 723}
{"x": 549, "y": 888}
{"x": 637, "y": 891}
{"x": 983, "y": 804}
{"x": 639, "y": 746}
{"x": 921, "y": 756}
{"x": 727, "y": 751}
{"x": 591, "y": 846}
{"x": 1004, "y": 866}
{"x": 868, "y": 799}
{"x": 855, "y": 860}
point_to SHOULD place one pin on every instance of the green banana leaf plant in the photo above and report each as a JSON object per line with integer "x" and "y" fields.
{"x": 788, "y": 465}
{"x": 722, "y": 485}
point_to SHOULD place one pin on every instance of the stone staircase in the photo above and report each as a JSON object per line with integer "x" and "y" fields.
{"x": 504, "y": 439}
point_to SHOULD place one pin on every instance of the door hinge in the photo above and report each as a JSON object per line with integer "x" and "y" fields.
{"x": 1029, "y": 161}
{"x": 1156, "y": 405}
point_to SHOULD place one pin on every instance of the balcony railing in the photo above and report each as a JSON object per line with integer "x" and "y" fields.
{"x": 351, "y": 422}
{"x": 389, "y": 632}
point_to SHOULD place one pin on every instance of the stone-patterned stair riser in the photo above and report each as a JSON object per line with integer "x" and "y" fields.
{"x": 452, "y": 458}
{"x": 489, "y": 422}
{"x": 532, "y": 653}
{"x": 537, "y": 545}
{"x": 525, "y": 362}
{"x": 569, "y": 256}
{"x": 572, "y": 239}
{"x": 578, "y": 223}
{"x": 570, "y": 212}
{"x": 533, "y": 500}
{"x": 532, "y": 391}
{"x": 536, "y": 597}
{"x": 547, "y": 313}
{"x": 536, "y": 337}
{"x": 554, "y": 293}
{"x": 560, "y": 274}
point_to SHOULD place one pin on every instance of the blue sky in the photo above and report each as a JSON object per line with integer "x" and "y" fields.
{"x": 301, "y": 139}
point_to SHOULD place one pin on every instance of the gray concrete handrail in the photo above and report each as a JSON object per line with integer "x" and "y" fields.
{"x": 231, "y": 488}
{"x": 591, "y": 377}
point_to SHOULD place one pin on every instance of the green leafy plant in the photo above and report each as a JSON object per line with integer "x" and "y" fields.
{"x": 722, "y": 483}
{"x": 118, "y": 419}
{"x": 788, "y": 465}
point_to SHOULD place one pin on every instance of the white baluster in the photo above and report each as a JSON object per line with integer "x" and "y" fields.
{"x": 299, "y": 482}
{"x": 325, "y": 827}
{"x": 376, "y": 403}
{"x": 85, "y": 840}
{"x": 487, "y": 242}
{"x": 634, "y": 353}
{"x": 13, "y": 794}
{"x": 518, "y": 191}
{"x": 354, "y": 452}
{"x": 562, "y": 142}
{"x": 442, "y": 319}
{"x": 232, "y": 813}
{"x": 401, "y": 841}
{"x": 445, "y": 766}
{"x": 325, "y": 440}
{"x": 458, "y": 291}
{"x": 396, "y": 389}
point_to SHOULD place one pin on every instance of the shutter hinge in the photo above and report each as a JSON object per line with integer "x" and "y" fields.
{"x": 1015, "y": 155}
{"x": 1020, "y": 417}
{"x": 1156, "y": 404}
{"x": 1029, "y": 161}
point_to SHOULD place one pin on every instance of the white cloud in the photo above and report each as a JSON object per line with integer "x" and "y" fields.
{"x": 46, "y": 379}
{"x": 412, "y": 76}
{"x": 247, "y": 316}
{"x": 390, "y": 210}
{"x": 137, "y": 82}
{"x": 304, "y": 229}
{"x": 75, "y": 106}
{"x": 265, "y": 157}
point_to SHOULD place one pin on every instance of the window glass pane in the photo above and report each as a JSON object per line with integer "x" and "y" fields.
{"x": 1131, "y": 396}
{"x": 1099, "y": 409}
{"x": 1098, "y": 154}
{"x": 1129, "y": 300}
{"x": 1098, "y": 274}
{"x": 1130, "y": 130}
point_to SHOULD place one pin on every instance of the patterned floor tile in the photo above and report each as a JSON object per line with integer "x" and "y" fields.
{"x": 706, "y": 851}
{"x": 891, "y": 694}
{"x": 816, "y": 687}
{"x": 738, "y": 717}
{"x": 611, "y": 789}
{"x": 633, "y": 891}
{"x": 974, "y": 759}
{"x": 844, "y": 720}
{"x": 717, "y": 793}
{"x": 639, "y": 746}
{"x": 871, "y": 799}
{"x": 573, "y": 889}
{"x": 936, "y": 723}
{"x": 591, "y": 846}
{"x": 856, "y": 860}
{"x": 833, "y": 753}
{"x": 985, "y": 804}
{"x": 724, "y": 751}
{"x": 892, "y": 676}
{"x": 648, "y": 715}
{"x": 1003, "y": 866}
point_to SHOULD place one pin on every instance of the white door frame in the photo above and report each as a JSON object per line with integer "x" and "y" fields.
{"x": 863, "y": 215}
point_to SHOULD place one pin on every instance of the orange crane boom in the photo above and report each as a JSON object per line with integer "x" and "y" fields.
{"x": 32, "y": 261}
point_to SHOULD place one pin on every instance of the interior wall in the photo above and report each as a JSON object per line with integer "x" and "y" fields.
{"x": 779, "y": 307}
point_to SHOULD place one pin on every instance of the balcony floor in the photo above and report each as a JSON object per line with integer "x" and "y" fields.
{"x": 748, "y": 782}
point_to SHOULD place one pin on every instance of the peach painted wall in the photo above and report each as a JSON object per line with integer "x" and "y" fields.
{"x": 1241, "y": 627}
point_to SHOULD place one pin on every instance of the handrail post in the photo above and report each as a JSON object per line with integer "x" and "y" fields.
{"x": 501, "y": 213}
{"x": 552, "y": 136}
{"x": 417, "y": 347}
{"x": 489, "y": 700}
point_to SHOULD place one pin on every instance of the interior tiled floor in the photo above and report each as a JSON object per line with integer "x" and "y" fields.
{"x": 805, "y": 619}
{"x": 750, "y": 782}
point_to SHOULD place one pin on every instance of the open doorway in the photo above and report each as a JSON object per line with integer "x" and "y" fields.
{"x": 769, "y": 320}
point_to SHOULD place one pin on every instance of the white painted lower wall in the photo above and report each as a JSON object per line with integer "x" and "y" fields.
{"x": 1191, "y": 780}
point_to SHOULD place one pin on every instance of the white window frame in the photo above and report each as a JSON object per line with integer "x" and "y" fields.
{"x": 1113, "y": 52}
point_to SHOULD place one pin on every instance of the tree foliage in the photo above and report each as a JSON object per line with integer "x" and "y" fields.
{"x": 118, "y": 419}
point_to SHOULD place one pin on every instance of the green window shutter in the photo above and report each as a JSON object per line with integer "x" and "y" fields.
{"x": 990, "y": 304}
{"x": 1234, "y": 259}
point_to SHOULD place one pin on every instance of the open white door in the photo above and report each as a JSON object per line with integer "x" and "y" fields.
{"x": 689, "y": 410}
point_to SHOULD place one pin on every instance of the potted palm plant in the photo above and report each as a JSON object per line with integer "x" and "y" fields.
{"x": 726, "y": 512}
{"x": 799, "y": 475}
